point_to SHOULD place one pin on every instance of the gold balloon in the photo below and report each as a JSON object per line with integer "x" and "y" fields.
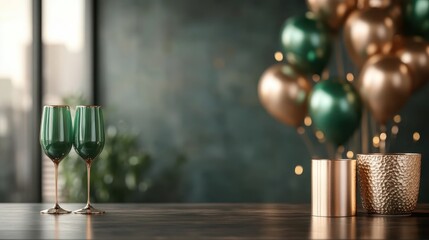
{"x": 369, "y": 32}
{"x": 284, "y": 92}
{"x": 396, "y": 12}
{"x": 375, "y": 3}
{"x": 332, "y": 12}
{"x": 393, "y": 6}
{"x": 385, "y": 84}
{"x": 415, "y": 53}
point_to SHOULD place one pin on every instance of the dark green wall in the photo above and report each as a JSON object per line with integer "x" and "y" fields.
{"x": 183, "y": 75}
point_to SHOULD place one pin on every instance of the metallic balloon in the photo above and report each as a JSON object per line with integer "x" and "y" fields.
{"x": 335, "y": 108}
{"x": 414, "y": 52}
{"x": 369, "y": 32}
{"x": 416, "y": 17}
{"x": 307, "y": 43}
{"x": 284, "y": 92}
{"x": 392, "y": 6}
{"x": 385, "y": 84}
{"x": 332, "y": 12}
{"x": 395, "y": 12}
{"x": 374, "y": 3}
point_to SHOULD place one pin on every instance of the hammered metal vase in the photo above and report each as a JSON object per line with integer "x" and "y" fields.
{"x": 389, "y": 183}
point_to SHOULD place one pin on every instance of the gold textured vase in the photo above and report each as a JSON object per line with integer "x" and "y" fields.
{"x": 389, "y": 183}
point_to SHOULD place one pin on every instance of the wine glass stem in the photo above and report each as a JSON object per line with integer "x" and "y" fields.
{"x": 88, "y": 168}
{"x": 56, "y": 183}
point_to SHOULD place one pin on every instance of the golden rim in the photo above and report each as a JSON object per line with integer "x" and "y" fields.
{"x": 56, "y": 106}
{"x": 342, "y": 159}
{"x": 88, "y": 106}
{"x": 388, "y": 154}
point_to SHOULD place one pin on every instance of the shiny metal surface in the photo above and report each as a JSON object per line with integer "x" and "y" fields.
{"x": 284, "y": 92}
{"x": 333, "y": 187}
{"x": 389, "y": 183}
{"x": 332, "y": 12}
{"x": 369, "y": 32}
{"x": 385, "y": 84}
{"x": 414, "y": 52}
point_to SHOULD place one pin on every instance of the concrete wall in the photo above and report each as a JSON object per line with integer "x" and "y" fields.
{"x": 183, "y": 75}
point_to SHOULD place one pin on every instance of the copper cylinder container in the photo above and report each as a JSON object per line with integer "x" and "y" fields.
{"x": 333, "y": 187}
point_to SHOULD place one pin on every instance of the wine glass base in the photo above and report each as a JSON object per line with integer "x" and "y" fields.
{"x": 56, "y": 209}
{"x": 88, "y": 209}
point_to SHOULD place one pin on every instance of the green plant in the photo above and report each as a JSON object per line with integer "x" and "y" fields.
{"x": 122, "y": 173}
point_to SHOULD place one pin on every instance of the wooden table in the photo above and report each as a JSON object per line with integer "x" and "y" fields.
{"x": 203, "y": 221}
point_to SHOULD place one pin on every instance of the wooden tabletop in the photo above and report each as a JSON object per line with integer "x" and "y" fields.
{"x": 203, "y": 221}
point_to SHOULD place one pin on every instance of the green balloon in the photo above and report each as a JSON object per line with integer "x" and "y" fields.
{"x": 307, "y": 43}
{"x": 416, "y": 17}
{"x": 335, "y": 109}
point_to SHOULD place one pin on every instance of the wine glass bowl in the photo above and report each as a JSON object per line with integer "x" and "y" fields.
{"x": 89, "y": 150}
{"x": 56, "y": 151}
{"x": 56, "y": 140}
{"x": 88, "y": 142}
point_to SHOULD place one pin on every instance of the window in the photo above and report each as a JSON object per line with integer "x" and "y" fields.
{"x": 66, "y": 65}
{"x": 16, "y": 105}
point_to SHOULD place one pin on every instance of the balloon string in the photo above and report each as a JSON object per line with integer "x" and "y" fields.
{"x": 339, "y": 153}
{"x": 361, "y": 3}
{"x": 373, "y": 131}
{"x": 364, "y": 131}
{"x": 354, "y": 143}
{"x": 331, "y": 151}
{"x": 388, "y": 142}
{"x": 325, "y": 74}
{"x": 307, "y": 142}
{"x": 383, "y": 140}
{"x": 340, "y": 66}
{"x": 394, "y": 134}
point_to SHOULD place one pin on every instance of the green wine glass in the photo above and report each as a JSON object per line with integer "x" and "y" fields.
{"x": 56, "y": 139}
{"x": 88, "y": 143}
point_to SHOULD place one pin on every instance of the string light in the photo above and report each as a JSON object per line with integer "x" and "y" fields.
{"x": 383, "y": 136}
{"x": 341, "y": 148}
{"x": 395, "y": 129}
{"x": 299, "y": 170}
{"x": 278, "y": 56}
{"x": 350, "y": 77}
{"x": 300, "y": 130}
{"x": 219, "y": 63}
{"x": 376, "y": 141}
{"x": 371, "y": 48}
{"x": 308, "y": 121}
{"x": 320, "y": 135}
{"x": 416, "y": 136}
{"x": 350, "y": 154}
{"x": 397, "y": 118}
{"x": 316, "y": 77}
{"x": 325, "y": 74}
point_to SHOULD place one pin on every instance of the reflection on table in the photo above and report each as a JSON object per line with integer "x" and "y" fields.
{"x": 204, "y": 221}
